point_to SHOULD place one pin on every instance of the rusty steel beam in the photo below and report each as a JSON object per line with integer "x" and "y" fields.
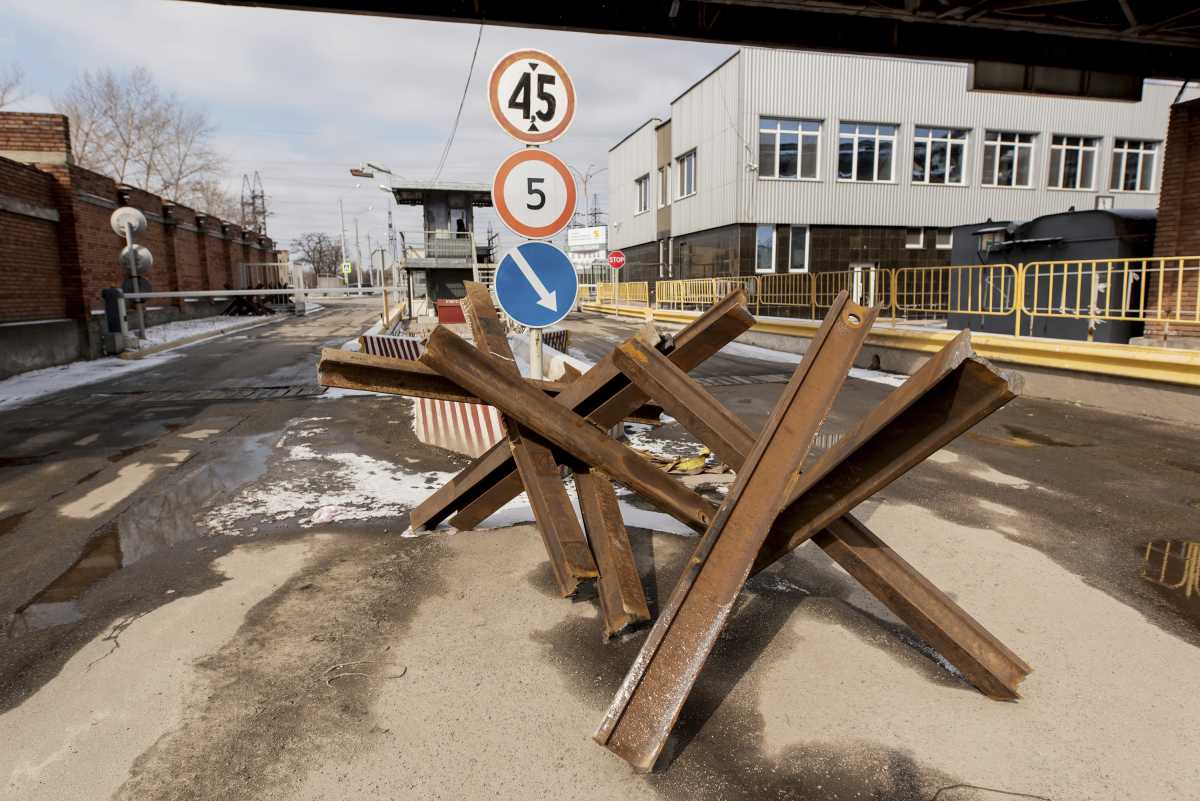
{"x": 454, "y": 357}
{"x": 648, "y": 703}
{"x": 948, "y": 395}
{"x": 694, "y": 407}
{"x": 602, "y": 394}
{"x": 567, "y": 548}
{"x": 369, "y": 373}
{"x": 964, "y": 642}
{"x": 622, "y": 598}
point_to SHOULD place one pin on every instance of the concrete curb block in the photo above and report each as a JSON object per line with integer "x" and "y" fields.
{"x": 134, "y": 355}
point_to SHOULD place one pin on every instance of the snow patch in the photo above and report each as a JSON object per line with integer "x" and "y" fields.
{"x": 182, "y": 329}
{"x": 37, "y": 384}
{"x": 743, "y": 351}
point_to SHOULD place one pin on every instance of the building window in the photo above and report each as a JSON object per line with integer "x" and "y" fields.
{"x": 914, "y": 238}
{"x": 764, "y": 249}
{"x": 685, "y": 165}
{"x": 865, "y": 151}
{"x": 943, "y": 238}
{"x": 664, "y": 186}
{"x": 986, "y": 240}
{"x": 788, "y": 148}
{"x": 1007, "y": 159}
{"x": 642, "y": 194}
{"x": 939, "y": 156}
{"x": 1133, "y": 166}
{"x": 798, "y": 255}
{"x": 1073, "y": 162}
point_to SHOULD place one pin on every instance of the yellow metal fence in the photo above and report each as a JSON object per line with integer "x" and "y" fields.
{"x": 634, "y": 293}
{"x": 1159, "y": 290}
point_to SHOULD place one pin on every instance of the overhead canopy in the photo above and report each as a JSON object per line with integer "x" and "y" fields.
{"x": 1141, "y": 38}
{"x": 419, "y": 194}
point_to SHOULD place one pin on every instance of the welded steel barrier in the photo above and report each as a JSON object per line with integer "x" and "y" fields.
{"x": 1150, "y": 290}
{"x": 987, "y": 289}
{"x": 635, "y": 293}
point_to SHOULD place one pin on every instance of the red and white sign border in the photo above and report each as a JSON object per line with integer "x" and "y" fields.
{"x": 494, "y": 100}
{"x": 506, "y": 216}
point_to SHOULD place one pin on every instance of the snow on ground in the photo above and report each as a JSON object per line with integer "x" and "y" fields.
{"x": 157, "y": 335}
{"x": 37, "y": 384}
{"x": 739, "y": 350}
{"x": 321, "y": 486}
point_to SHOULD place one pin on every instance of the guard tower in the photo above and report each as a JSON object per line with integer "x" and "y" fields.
{"x": 438, "y": 259}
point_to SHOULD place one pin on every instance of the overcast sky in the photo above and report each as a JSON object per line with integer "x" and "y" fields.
{"x": 301, "y": 97}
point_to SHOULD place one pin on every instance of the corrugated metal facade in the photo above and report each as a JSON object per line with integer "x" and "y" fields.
{"x": 841, "y": 88}
{"x": 634, "y": 157}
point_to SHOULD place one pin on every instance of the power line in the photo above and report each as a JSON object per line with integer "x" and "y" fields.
{"x": 446, "y": 152}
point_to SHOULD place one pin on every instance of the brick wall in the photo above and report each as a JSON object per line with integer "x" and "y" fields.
{"x": 54, "y": 269}
{"x": 1178, "y": 232}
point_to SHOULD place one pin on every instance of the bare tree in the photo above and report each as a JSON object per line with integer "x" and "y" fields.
{"x": 207, "y": 195}
{"x": 319, "y": 251}
{"x": 11, "y": 79}
{"x": 126, "y": 127}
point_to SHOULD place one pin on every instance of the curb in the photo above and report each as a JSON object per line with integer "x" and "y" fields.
{"x": 135, "y": 355}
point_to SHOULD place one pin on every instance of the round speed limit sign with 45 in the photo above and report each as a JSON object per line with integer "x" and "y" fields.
{"x": 534, "y": 194}
{"x": 531, "y": 96}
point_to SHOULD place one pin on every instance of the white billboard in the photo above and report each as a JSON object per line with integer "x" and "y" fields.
{"x": 587, "y": 240}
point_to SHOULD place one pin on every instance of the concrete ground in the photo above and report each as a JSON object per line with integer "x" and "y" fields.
{"x": 205, "y": 594}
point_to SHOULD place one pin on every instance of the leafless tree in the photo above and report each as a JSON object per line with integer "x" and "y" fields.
{"x": 126, "y": 127}
{"x": 11, "y": 79}
{"x": 207, "y": 195}
{"x": 319, "y": 251}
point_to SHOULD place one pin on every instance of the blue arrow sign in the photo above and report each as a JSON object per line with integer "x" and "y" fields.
{"x": 536, "y": 284}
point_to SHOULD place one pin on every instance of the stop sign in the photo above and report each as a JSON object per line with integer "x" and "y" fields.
{"x": 616, "y": 259}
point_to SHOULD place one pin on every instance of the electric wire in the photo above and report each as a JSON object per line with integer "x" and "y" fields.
{"x": 454, "y": 129}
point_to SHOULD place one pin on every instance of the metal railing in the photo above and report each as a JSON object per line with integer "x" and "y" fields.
{"x": 1158, "y": 291}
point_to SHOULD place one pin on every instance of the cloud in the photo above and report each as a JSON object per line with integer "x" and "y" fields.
{"x": 302, "y": 96}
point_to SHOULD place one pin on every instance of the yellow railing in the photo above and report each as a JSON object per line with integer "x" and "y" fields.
{"x": 632, "y": 292}
{"x": 1153, "y": 290}
{"x": 1177, "y": 568}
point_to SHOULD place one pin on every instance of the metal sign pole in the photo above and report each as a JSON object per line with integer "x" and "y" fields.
{"x": 535, "y": 353}
{"x": 137, "y": 285}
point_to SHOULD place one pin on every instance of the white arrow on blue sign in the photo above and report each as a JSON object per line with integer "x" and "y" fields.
{"x": 536, "y": 284}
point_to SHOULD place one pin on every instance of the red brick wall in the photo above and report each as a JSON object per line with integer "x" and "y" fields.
{"x": 31, "y": 286}
{"x": 52, "y": 270}
{"x": 1178, "y": 232}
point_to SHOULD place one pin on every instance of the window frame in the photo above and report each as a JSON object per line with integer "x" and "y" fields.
{"x": 641, "y": 192}
{"x": 1030, "y": 147}
{"x": 801, "y": 134}
{"x": 774, "y": 247}
{"x": 949, "y": 243}
{"x": 1121, "y": 150}
{"x": 792, "y": 249}
{"x": 664, "y": 177}
{"x": 1082, "y": 147}
{"x": 894, "y": 137}
{"x": 920, "y": 245}
{"x": 681, "y": 168}
{"x": 950, "y": 141}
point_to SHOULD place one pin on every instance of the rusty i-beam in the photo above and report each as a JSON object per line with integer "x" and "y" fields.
{"x": 603, "y": 395}
{"x": 951, "y": 392}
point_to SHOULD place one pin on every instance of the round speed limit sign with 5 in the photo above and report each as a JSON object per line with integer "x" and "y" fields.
{"x": 534, "y": 194}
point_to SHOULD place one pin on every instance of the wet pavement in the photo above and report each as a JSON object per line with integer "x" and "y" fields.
{"x": 204, "y": 593}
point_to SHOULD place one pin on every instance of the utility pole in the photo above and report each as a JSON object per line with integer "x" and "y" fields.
{"x": 358, "y": 248}
{"x": 342, "y": 215}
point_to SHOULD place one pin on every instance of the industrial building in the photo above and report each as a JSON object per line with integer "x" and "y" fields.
{"x": 789, "y": 161}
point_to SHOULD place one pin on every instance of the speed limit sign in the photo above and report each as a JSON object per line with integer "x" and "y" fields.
{"x": 531, "y": 96}
{"x": 534, "y": 194}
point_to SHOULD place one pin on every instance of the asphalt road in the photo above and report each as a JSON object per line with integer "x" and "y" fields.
{"x": 203, "y": 594}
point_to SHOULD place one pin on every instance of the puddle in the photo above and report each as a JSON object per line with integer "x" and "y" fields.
{"x": 58, "y": 604}
{"x": 21, "y": 461}
{"x": 10, "y": 522}
{"x": 121, "y": 454}
{"x": 1173, "y": 566}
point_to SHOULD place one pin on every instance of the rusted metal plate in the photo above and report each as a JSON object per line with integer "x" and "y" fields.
{"x": 370, "y": 373}
{"x": 977, "y": 653}
{"x": 696, "y": 410}
{"x": 649, "y": 701}
{"x": 622, "y": 598}
{"x": 947, "y": 396}
{"x": 566, "y": 546}
{"x": 603, "y": 394}
{"x": 454, "y": 357}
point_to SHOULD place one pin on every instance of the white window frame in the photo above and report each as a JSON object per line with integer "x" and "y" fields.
{"x": 791, "y": 249}
{"x": 920, "y": 245}
{"x": 878, "y": 137}
{"x": 641, "y": 194}
{"x": 1123, "y": 150}
{"x": 774, "y": 246}
{"x": 664, "y": 186}
{"x": 1021, "y": 150}
{"x": 801, "y": 135}
{"x": 1061, "y": 148}
{"x": 681, "y": 162}
{"x": 951, "y": 141}
{"x": 949, "y": 242}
